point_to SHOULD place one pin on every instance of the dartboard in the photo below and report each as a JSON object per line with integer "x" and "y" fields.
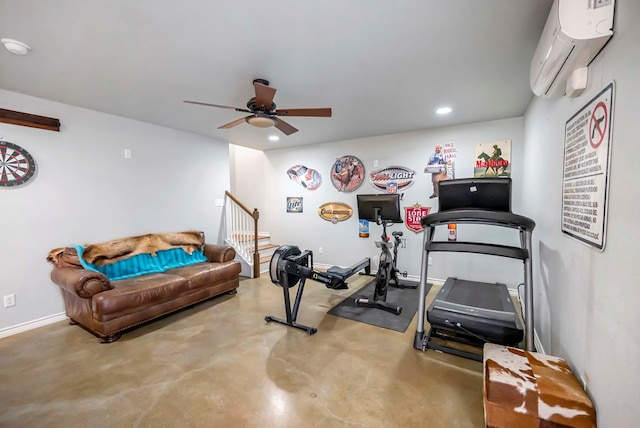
{"x": 16, "y": 165}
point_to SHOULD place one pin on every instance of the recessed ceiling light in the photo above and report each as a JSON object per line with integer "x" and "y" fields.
{"x": 16, "y": 47}
{"x": 274, "y": 138}
{"x": 444, "y": 110}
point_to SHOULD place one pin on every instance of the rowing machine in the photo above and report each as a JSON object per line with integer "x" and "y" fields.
{"x": 289, "y": 266}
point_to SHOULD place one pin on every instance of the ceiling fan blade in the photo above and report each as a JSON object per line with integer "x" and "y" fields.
{"x": 234, "y": 123}
{"x": 316, "y": 112}
{"x": 285, "y": 127}
{"x": 218, "y": 105}
{"x": 264, "y": 95}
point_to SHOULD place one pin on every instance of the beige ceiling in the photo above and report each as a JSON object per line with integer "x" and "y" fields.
{"x": 383, "y": 66}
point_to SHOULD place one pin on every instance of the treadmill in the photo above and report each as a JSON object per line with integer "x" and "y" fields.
{"x": 472, "y": 312}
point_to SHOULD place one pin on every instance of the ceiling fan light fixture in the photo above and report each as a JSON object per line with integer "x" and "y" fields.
{"x": 16, "y": 47}
{"x": 261, "y": 121}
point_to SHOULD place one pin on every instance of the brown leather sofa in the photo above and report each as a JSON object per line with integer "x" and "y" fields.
{"x": 108, "y": 307}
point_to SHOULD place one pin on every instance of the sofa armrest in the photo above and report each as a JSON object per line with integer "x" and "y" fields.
{"x": 84, "y": 283}
{"x": 219, "y": 253}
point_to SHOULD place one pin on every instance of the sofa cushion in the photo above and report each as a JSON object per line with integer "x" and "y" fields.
{"x": 142, "y": 264}
{"x": 135, "y": 294}
{"x": 205, "y": 274}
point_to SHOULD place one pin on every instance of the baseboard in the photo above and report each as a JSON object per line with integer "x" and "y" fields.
{"x": 30, "y": 325}
{"x": 321, "y": 266}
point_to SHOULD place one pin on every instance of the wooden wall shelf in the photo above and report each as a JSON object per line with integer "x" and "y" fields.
{"x": 31, "y": 120}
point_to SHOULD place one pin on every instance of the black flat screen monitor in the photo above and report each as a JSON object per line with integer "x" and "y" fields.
{"x": 387, "y": 205}
{"x": 475, "y": 193}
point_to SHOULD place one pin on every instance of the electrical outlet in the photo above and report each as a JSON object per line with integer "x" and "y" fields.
{"x": 9, "y": 300}
{"x": 127, "y": 153}
{"x": 320, "y": 250}
{"x": 430, "y": 261}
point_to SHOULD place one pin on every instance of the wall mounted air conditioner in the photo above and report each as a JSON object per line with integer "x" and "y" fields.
{"x": 575, "y": 32}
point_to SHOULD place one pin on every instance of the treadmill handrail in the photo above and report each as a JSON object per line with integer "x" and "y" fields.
{"x": 479, "y": 248}
{"x": 497, "y": 218}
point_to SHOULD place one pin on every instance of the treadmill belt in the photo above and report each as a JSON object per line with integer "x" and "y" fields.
{"x": 476, "y": 294}
{"x": 475, "y": 310}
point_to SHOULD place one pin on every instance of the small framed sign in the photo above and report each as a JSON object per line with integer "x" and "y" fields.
{"x": 294, "y": 204}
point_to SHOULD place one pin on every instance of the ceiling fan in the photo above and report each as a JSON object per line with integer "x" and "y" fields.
{"x": 263, "y": 110}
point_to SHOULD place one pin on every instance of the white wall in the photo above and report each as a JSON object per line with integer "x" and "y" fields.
{"x": 85, "y": 191}
{"x": 341, "y": 243}
{"x": 587, "y": 302}
{"x": 247, "y": 171}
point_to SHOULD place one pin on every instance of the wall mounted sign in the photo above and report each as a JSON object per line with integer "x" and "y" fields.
{"x": 347, "y": 173}
{"x": 413, "y": 215}
{"x": 363, "y": 228}
{"x": 585, "y": 182}
{"x": 392, "y": 178}
{"x": 493, "y": 159}
{"x": 294, "y": 204}
{"x": 335, "y": 211}
{"x": 438, "y": 168}
{"x": 16, "y": 165}
{"x": 308, "y": 178}
{"x": 450, "y": 156}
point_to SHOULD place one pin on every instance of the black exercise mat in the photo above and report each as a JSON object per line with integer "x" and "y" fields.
{"x": 407, "y": 298}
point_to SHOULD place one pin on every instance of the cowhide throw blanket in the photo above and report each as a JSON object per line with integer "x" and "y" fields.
{"x": 119, "y": 249}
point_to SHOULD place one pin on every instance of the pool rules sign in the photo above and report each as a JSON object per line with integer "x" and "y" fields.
{"x": 587, "y": 155}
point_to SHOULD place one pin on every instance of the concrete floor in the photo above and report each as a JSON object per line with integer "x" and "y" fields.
{"x": 220, "y": 365}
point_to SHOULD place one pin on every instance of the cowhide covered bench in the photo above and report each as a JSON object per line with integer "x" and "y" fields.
{"x": 527, "y": 389}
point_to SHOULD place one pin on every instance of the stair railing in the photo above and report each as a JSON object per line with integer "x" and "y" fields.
{"x": 241, "y": 231}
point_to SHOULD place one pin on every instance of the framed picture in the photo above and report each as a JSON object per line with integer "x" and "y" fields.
{"x": 294, "y": 204}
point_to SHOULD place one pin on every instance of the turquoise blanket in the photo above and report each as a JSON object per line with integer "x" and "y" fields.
{"x": 141, "y": 264}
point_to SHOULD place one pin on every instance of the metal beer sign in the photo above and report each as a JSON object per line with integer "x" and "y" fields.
{"x": 413, "y": 215}
{"x": 392, "y": 179}
{"x": 294, "y": 204}
{"x": 335, "y": 211}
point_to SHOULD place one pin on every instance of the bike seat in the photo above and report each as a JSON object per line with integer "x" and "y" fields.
{"x": 397, "y": 233}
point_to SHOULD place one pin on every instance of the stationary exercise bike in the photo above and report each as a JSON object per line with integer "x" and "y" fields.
{"x": 397, "y": 242}
{"x": 384, "y": 209}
